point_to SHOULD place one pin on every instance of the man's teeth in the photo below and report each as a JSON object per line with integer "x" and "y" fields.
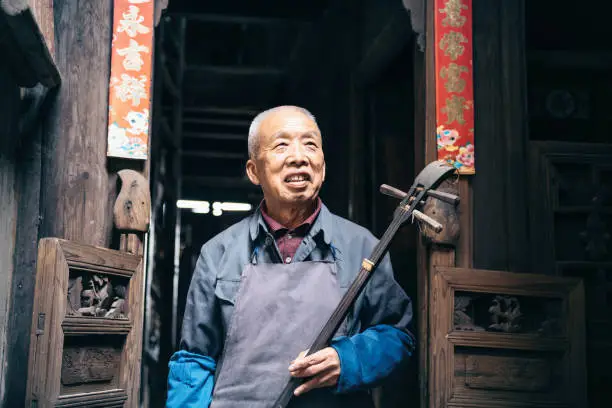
{"x": 296, "y": 178}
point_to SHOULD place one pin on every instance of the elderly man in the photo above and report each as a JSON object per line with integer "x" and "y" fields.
{"x": 263, "y": 288}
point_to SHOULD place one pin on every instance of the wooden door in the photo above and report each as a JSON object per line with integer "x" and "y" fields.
{"x": 571, "y": 219}
{"x": 86, "y": 329}
{"x": 502, "y": 339}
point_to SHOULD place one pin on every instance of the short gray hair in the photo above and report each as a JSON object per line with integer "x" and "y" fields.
{"x": 253, "y": 141}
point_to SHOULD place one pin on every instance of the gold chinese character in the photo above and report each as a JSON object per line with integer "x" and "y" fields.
{"x": 451, "y": 44}
{"x": 453, "y": 18}
{"x": 454, "y": 109}
{"x": 454, "y": 81}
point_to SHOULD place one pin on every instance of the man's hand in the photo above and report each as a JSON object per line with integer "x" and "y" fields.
{"x": 323, "y": 366}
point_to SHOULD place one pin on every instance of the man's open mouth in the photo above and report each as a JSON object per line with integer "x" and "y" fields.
{"x": 297, "y": 178}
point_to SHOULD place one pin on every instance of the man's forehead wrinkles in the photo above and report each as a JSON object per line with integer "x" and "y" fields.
{"x": 284, "y": 134}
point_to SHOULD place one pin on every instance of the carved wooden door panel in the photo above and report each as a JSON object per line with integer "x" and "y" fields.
{"x": 502, "y": 339}
{"x": 571, "y": 232}
{"x": 83, "y": 333}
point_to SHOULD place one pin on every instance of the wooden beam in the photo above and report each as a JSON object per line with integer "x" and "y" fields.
{"x": 237, "y": 19}
{"x": 236, "y": 70}
{"x": 214, "y": 136}
{"x": 218, "y": 122}
{"x": 214, "y": 155}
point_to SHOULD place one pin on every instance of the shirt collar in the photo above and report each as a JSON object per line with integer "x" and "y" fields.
{"x": 322, "y": 223}
{"x": 277, "y": 226}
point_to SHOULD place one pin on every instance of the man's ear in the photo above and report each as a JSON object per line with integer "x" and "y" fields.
{"x": 251, "y": 171}
{"x": 323, "y": 172}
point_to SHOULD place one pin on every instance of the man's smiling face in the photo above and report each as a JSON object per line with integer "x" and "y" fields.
{"x": 288, "y": 163}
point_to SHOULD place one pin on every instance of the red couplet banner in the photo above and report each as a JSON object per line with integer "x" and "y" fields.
{"x": 130, "y": 79}
{"x": 454, "y": 84}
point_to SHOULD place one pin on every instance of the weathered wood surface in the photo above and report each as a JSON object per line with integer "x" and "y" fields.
{"x": 569, "y": 182}
{"x": 507, "y": 373}
{"x": 500, "y": 187}
{"x": 44, "y": 363}
{"x": 429, "y": 256}
{"x": 446, "y": 214}
{"x": 98, "y": 259}
{"x": 100, "y": 399}
{"x": 496, "y": 369}
{"x": 9, "y": 104}
{"x": 75, "y": 186}
{"x": 132, "y": 352}
{"x": 132, "y": 209}
{"x": 43, "y": 14}
{"x": 81, "y": 365}
{"x": 54, "y": 353}
{"x": 438, "y": 324}
{"x": 22, "y": 294}
{"x": 420, "y": 124}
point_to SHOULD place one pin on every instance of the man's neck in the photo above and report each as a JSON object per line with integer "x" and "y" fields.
{"x": 290, "y": 216}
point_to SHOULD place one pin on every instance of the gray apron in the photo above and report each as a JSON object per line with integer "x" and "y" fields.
{"x": 279, "y": 310}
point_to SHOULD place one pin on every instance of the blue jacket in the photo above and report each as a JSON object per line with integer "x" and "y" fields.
{"x": 379, "y": 337}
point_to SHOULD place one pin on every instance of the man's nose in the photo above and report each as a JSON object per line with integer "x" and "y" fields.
{"x": 297, "y": 154}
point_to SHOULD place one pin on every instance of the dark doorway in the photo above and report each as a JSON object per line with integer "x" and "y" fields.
{"x": 217, "y": 66}
{"x": 390, "y": 147}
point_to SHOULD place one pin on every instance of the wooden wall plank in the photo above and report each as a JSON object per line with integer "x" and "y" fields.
{"x": 43, "y": 13}
{"x": 490, "y": 233}
{"x": 131, "y": 357}
{"x": 22, "y": 294}
{"x": 501, "y": 239}
{"x": 75, "y": 183}
{"x": 9, "y": 103}
{"x": 515, "y": 132}
{"x": 429, "y": 152}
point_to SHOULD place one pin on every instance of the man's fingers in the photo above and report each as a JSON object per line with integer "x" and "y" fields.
{"x": 312, "y": 370}
{"x": 300, "y": 356}
{"x": 303, "y": 362}
{"x": 325, "y": 379}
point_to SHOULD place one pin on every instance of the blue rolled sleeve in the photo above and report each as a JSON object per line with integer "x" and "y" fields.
{"x": 192, "y": 367}
{"x": 384, "y": 341}
{"x": 368, "y": 358}
{"x": 190, "y": 381}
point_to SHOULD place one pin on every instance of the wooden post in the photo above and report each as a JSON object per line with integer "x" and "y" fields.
{"x": 500, "y": 186}
{"x": 433, "y": 254}
{"x": 78, "y": 185}
{"x": 9, "y": 98}
{"x": 425, "y": 126}
{"x": 28, "y": 65}
{"x": 75, "y": 201}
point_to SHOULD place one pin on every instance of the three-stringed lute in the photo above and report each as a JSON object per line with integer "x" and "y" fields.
{"x": 423, "y": 186}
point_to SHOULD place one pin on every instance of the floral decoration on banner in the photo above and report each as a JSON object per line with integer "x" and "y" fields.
{"x": 130, "y": 79}
{"x": 454, "y": 84}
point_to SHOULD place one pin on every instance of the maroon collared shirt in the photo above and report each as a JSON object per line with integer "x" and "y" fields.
{"x": 288, "y": 240}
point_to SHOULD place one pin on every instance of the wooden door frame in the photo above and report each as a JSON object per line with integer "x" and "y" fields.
{"x": 432, "y": 255}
